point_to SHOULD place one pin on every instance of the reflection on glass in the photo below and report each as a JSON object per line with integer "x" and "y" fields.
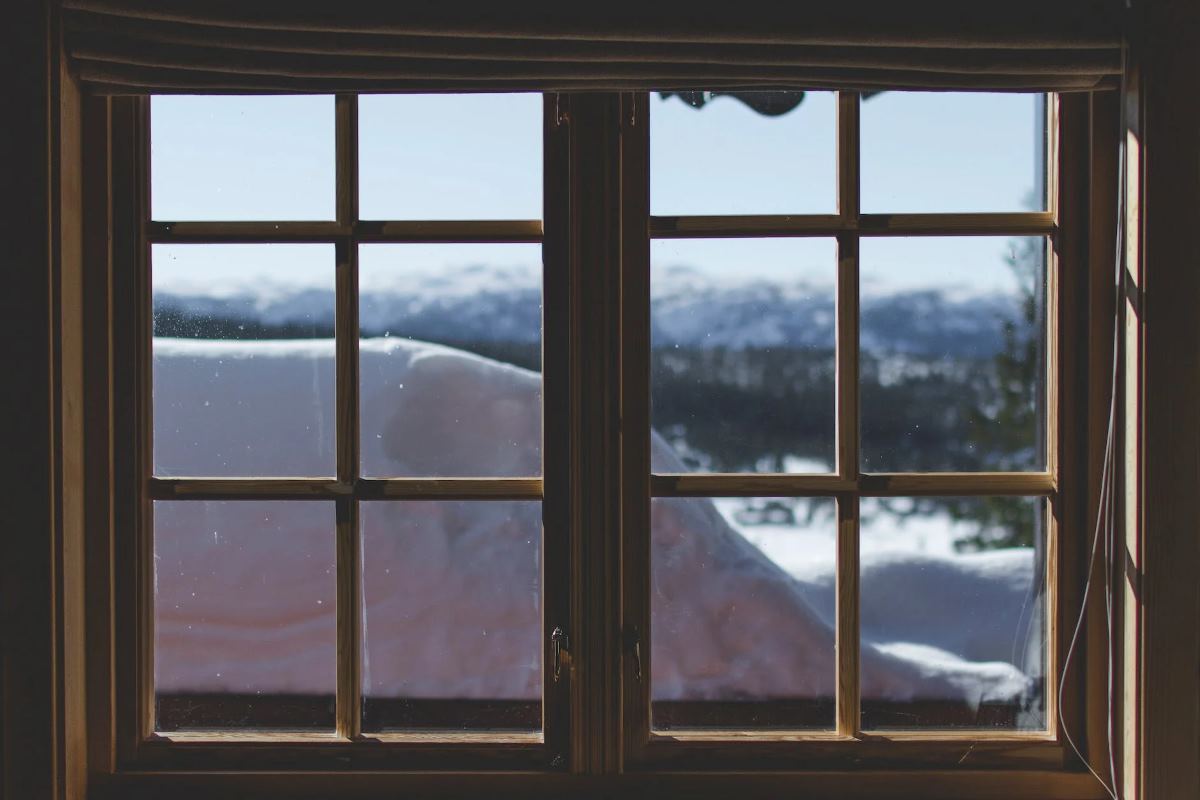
{"x": 243, "y": 360}
{"x": 953, "y": 613}
{"x": 452, "y": 616}
{"x": 953, "y": 354}
{"x": 742, "y": 354}
{"x": 742, "y": 611}
{"x": 953, "y": 152}
{"x": 242, "y": 158}
{"x": 244, "y": 617}
{"x": 452, "y": 156}
{"x": 743, "y": 153}
{"x": 450, "y": 359}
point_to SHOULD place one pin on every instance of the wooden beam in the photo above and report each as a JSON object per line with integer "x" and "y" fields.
{"x": 398, "y": 231}
{"x": 916, "y": 484}
{"x": 1039, "y": 223}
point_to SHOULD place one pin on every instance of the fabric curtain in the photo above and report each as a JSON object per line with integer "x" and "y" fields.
{"x": 249, "y": 46}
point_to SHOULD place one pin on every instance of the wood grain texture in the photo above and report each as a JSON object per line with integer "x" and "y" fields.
{"x": 1170, "y": 396}
{"x": 863, "y": 784}
{"x": 950, "y": 224}
{"x": 219, "y": 232}
{"x": 637, "y": 482}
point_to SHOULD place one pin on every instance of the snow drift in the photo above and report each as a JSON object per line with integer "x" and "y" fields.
{"x": 245, "y": 591}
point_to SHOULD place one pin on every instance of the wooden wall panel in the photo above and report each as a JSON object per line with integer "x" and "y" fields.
{"x": 1168, "y": 310}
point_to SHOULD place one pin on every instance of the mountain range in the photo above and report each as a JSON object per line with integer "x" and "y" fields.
{"x": 688, "y": 310}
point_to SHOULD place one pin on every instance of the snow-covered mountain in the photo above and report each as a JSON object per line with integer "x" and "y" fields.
{"x": 477, "y": 303}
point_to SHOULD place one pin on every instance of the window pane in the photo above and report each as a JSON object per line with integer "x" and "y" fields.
{"x": 742, "y": 354}
{"x": 953, "y": 354}
{"x": 743, "y": 153}
{"x": 742, "y": 608}
{"x": 244, "y": 617}
{"x": 953, "y": 152}
{"x": 953, "y": 612}
{"x": 454, "y": 156}
{"x": 243, "y": 360}
{"x": 452, "y": 615}
{"x": 242, "y": 158}
{"x": 450, "y": 359}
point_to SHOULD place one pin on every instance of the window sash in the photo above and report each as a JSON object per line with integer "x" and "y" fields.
{"x": 603, "y": 140}
{"x": 736, "y": 748}
{"x": 138, "y": 740}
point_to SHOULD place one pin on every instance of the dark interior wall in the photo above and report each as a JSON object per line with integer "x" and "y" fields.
{"x": 41, "y": 540}
{"x": 30, "y": 760}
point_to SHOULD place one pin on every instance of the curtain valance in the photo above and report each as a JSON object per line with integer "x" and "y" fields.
{"x": 139, "y": 46}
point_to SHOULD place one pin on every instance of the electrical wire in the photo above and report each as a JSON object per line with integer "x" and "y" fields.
{"x": 1105, "y": 531}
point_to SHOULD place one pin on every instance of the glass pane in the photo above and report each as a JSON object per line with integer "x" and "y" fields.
{"x": 450, "y": 359}
{"x": 242, "y": 158}
{"x": 953, "y": 152}
{"x": 743, "y": 153}
{"x": 452, "y": 615}
{"x": 953, "y": 354}
{"x": 742, "y": 354}
{"x": 452, "y": 156}
{"x": 742, "y": 608}
{"x": 243, "y": 360}
{"x": 244, "y": 618}
{"x": 953, "y": 613}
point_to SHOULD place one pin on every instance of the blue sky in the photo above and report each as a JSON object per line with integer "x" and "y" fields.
{"x": 479, "y": 157}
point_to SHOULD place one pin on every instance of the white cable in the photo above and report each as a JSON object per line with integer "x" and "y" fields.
{"x": 1105, "y": 521}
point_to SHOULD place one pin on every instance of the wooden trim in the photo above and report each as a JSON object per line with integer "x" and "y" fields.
{"x": 846, "y": 634}
{"x": 559, "y": 701}
{"x": 873, "y": 784}
{"x": 1129, "y": 440}
{"x": 450, "y": 231}
{"x": 349, "y": 621}
{"x": 497, "y": 231}
{"x": 1033, "y": 223}
{"x": 748, "y": 485}
{"x": 242, "y": 232}
{"x": 346, "y": 333}
{"x": 595, "y": 124}
{"x": 847, "y": 354}
{"x": 142, "y": 322}
{"x": 245, "y": 489}
{"x": 848, "y": 641}
{"x": 1067, "y": 265}
{"x": 332, "y": 489}
{"x": 958, "y": 484}
{"x": 98, "y": 430}
{"x": 637, "y": 482}
{"x": 949, "y": 484}
{"x": 1166, "y": 295}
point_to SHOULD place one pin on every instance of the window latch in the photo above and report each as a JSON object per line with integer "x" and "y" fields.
{"x": 560, "y": 642}
{"x": 633, "y": 643}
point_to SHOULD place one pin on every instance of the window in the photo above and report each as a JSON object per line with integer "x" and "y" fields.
{"x": 691, "y": 431}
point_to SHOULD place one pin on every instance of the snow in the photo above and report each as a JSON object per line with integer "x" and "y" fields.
{"x": 245, "y": 592}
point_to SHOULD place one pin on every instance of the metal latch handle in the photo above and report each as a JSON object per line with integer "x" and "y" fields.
{"x": 560, "y": 641}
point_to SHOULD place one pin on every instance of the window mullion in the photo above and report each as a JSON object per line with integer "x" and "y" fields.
{"x": 557, "y": 431}
{"x": 349, "y": 560}
{"x": 595, "y": 121}
{"x": 635, "y": 417}
{"x": 848, "y": 420}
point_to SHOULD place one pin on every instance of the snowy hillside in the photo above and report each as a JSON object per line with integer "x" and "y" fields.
{"x": 245, "y": 591}
{"x": 476, "y": 303}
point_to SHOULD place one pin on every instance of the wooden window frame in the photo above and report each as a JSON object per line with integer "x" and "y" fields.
{"x": 847, "y": 744}
{"x": 597, "y": 233}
